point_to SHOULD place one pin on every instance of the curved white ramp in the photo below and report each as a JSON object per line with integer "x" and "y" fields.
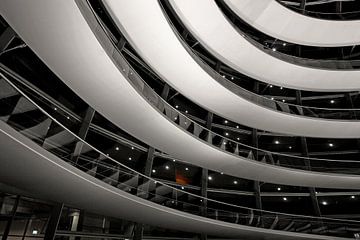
{"x": 157, "y": 44}
{"x": 25, "y": 165}
{"x": 272, "y": 18}
{"x": 210, "y": 27}
{"x": 58, "y": 33}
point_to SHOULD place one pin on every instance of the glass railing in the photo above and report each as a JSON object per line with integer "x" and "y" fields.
{"x": 28, "y": 118}
{"x": 314, "y": 112}
{"x": 344, "y": 15}
{"x": 280, "y": 51}
{"x": 200, "y": 132}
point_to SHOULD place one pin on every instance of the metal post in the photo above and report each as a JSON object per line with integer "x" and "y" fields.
{"x": 53, "y": 221}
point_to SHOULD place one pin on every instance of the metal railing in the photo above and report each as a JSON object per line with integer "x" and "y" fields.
{"x": 110, "y": 170}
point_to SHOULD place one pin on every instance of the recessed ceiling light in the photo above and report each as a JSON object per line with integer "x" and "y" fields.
{"x": 235, "y": 182}
{"x": 226, "y": 121}
{"x": 55, "y": 108}
{"x": 285, "y": 198}
{"x": 331, "y": 144}
{"x": 154, "y": 171}
{"x": 187, "y": 169}
{"x": 167, "y": 167}
{"x": 272, "y": 98}
{"x": 174, "y": 160}
{"x": 130, "y": 158}
{"x": 223, "y": 76}
{"x": 284, "y": 44}
{"x": 277, "y": 142}
{"x": 283, "y": 100}
{"x": 68, "y": 117}
{"x": 210, "y": 178}
{"x": 324, "y": 203}
{"x": 290, "y": 147}
{"x": 222, "y": 173}
{"x": 35, "y": 231}
{"x": 237, "y": 126}
{"x": 279, "y": 189}
{"x": 332, "y": 101}
{"x": 271, "y": 86}
{"x": 182, "y": 188}
{"x": 186, "y": 111}
{"x": 353, "y": 197}
{"x": 117, "y": 148}
{"x": 232, "y": 78}
{"x": 177, "y": 106}
{"x": 132, "y": 148}
{"x": 226, "y": 134}
{"x": 281, "y": 88}
{"x": 238, "y": 139}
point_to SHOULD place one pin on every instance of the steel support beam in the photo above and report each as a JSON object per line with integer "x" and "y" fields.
{"x": 218, "y": 66}
{"x": 121, "y": 43}
{"x": 80, "y": 223}
{"x": 209, "y": 120}
{"x": 205, "y": 172}
{"x": 305, "y": 153}
{"x": 339, "y": 6}
{"x": 6, "y": 38}
{"x": 10, "y": 221}
{"x": 165, "y": 92}
{"x": 303, "y": 5}
{"x": 257, "y": 191}
{"x": 138, "y": 228}
{"x": 53, "y": 221}
{"x": 84, "y": 128}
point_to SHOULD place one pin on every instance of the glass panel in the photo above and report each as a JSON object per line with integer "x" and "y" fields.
{"x": 113, "y": 172}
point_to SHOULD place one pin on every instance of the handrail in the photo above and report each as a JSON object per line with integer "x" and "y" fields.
{"x": 261, "y": 100}
{"x": 50, "y": 102}
{"x": 181, "y": 120}
{"x": 332, "y": 16}
{"x": 343, "y": 64}
{"x": 129, "y": 170}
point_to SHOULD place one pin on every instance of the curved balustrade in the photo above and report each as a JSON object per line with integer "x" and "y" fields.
{"x": 345, "y": 16}
{"x": 57, "y": 139}
{"x": 314, "y": 112}
{"x": 61, "y": 113}
{"x": 225, "y": 144}
{"x": 323, "y": 57}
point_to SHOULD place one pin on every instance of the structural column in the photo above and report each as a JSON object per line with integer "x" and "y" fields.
{"x": 257, "y": 191}
{"x": 305, "y": 153}
{"x": 12, "y": 217}
{"x": 143, "y": 189}
{"x": 53, "y": 222}
{"x": 84, "y": 128}
{"x": 205, "y": 172}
